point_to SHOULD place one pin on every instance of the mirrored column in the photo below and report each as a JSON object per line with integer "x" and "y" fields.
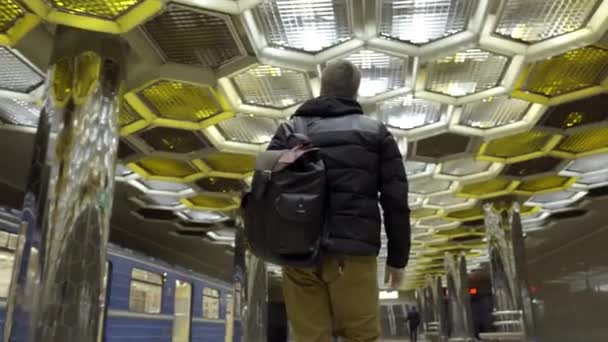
{"x": 459, "y": 301}
{"x": 512, "y": 306}
{"x": 57, "y": 288}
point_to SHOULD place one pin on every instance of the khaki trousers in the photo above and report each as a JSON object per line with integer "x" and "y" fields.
{"x": 340, "y": 298}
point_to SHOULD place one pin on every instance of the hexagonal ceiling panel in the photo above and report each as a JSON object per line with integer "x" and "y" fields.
{"x": 533, "y": 167}
{"x": 518, "y": 147}
{"x": 466, "y": 72}
{"x": 181, "y": 101}
{"x": 408, "y": 112}
{"x": 273, "y": 87}
{"x": 305, "y": 26}
{"x": 574, "y": 70}
{"x": 574, "y": 116}
{"x": 418, "y": 22}
{"x": 173, "y": 140}
{"x": 446, "y": 145}
{"x": 380, "y": 72}
{"x": 188, "y": 35}
{"x": 493, "y": 112}
{"x": 537, "y": 20}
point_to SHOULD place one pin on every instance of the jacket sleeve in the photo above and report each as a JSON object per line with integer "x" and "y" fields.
{"x": 393, "y": 198}
{"x": 279, "y": 140}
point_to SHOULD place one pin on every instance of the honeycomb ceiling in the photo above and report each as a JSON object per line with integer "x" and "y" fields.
{"x": 487, "y": 99}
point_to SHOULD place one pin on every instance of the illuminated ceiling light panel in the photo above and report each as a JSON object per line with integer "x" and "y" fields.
{"x": 155, "y": 185}
{"x": 535, "y": 20}
{"x": 149, "y": 200}
{"x": 416, "y": 169}
{"x": 18, "y": 112}
{"x": 448, "y": 201}
{"x": 218, "y": 184}
{"x": 437, "y": 223}
{"x": 230, "y": 162}
{"x": 414, "y": 201}
{"x": 544, "y": 184}
{"x": 380, "y": 72}
{"x": 202, "y": 216}
{"x": 16, "y": 74}
{"x": 181, "y": 101}
{"x": 211, "y": 202}
{"x": 465, "y": 73}
{"x": 96, "y": 8}
{"x": 407, "y": 112}
{"x": 593, "y": 180}
{"x": 309, "y": 26}
{"x": 248, "y": 129}
{"x": 586, "y": 142}
{"x": 165, "y": 167}
{"x": 423, "y": 21}
{"x": 274, "y": 87}
{"x": 574, "y": 70}
{"x": 592, "y": 164}
{"x": 556, "y": 199}
{"x": 493, "y": 112}
{"x": 428, "y": 186}
{"x": 518, "y": 147}
{"x": 190, "y": 36}
{"x": 574, "y": 115}
{"x": 423, "y": 213}
{"x": 173, "y": 140}
{"x": 464, "y": 167}
{"x": 222, "y": 235}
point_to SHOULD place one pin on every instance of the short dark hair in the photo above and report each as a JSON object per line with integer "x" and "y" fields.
{"x": 340, "y": 78}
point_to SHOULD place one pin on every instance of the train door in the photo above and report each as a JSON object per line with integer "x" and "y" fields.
{"x": 229, "y": 336}
{"x": 182, "y": 311}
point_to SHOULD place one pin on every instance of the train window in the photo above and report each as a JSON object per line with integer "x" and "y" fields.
{"x": 211, "y": 303}
{"x": 146, "y": 291}
{"x": 8, "y": 244}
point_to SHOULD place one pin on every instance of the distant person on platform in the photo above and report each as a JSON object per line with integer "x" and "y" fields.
{"x": 364, "y": 168}
{"x": 413, "y": 318}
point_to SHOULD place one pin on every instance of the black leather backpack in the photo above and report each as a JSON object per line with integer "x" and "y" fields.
{"x": 284, "y": 212}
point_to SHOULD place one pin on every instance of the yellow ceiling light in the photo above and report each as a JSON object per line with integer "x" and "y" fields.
{"x": 490, "y": 188}
{"x": 15, "y": 21}
{"x": 466, "y": 215}
{"x": 577, "y": 70}
{"x": 544, "y": 185}
{"x": 424, "y": 213}
{"x": 231, "y": 165}
{"x": 165, "y": 169}
{"x": 110, "y": 16}
{"x": 460, "y": 232}
{"x": 211, "y": 202}
{"x": 518, "y": 147}
{"x": 179, "y": 104}
{"x": 173, "y": 140}
{"x": 585, "y": 143}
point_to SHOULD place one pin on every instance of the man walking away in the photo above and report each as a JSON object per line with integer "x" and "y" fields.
{"x": 362, "y": 160}
{"x": 413, "y": 317}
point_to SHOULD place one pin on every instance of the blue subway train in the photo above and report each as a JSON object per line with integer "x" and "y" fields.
{"x": 147, "y": 299}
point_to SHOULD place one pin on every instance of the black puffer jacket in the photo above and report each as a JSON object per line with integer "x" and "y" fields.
{"x": 362, "y": 159}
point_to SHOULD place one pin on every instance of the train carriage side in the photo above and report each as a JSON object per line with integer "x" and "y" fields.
{"x": 147, "y": 299}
